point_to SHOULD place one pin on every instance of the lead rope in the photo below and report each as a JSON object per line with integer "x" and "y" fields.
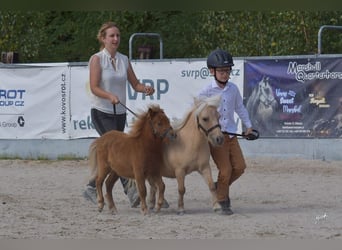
{"x": 128, "y": 109}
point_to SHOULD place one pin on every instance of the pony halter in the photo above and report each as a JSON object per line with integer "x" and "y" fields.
{"x": 207, "y": 131}
{"x": 160, "y": 135}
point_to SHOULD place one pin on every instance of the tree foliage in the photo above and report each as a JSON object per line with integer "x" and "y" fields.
{"x": 22, "y": 32}
{"x": 70, "y": 36}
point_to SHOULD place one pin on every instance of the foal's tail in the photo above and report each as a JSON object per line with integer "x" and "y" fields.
{"x": 92, "y": 161}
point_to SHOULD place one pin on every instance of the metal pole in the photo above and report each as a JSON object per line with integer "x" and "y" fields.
{"x": 320, "y": 35}
{"x": 146, "y": 34}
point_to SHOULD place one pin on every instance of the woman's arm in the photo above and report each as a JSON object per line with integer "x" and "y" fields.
{"x": 137, "y": 86}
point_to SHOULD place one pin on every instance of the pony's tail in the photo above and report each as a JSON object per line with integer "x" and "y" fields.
{"x": 92, "y": 161}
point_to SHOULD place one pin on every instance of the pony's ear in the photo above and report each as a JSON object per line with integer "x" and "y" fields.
{"x": 151, "y": 112}
{"x": 196, "y": 100}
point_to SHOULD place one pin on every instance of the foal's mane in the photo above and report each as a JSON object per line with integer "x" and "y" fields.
{"x": 142, "y": 118}
{"x": 198, "y": 105}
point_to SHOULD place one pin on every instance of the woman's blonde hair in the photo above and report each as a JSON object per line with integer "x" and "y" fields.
{"x": 102, "y": 32}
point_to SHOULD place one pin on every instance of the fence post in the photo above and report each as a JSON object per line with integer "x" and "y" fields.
{"x": 320, "y": 35}
{"x": 146, "y": 34}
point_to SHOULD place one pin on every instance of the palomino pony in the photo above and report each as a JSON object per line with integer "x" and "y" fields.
{"x": 136, "y": 155}
{"x": 190, "y": 151}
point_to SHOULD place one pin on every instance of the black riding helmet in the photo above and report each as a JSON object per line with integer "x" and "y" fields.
{"x": 219, "y": 58}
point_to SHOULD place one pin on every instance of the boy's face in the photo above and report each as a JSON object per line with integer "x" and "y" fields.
{"x": 222, "y": 74}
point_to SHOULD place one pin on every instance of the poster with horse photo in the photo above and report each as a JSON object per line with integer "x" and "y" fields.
{"x": 295, "y": 97}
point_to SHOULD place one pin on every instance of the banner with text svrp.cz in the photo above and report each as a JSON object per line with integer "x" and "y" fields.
{"x": 176, "y": 83}
{"x": 34, "y": 103}
{"x": 295, "y": 97}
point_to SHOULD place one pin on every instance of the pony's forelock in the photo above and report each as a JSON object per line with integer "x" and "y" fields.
{"x": 198, "y": 105}
{"x": 142, "y": 115}
{"x": 214, "y": 100}
{"x": 207, "y": 101}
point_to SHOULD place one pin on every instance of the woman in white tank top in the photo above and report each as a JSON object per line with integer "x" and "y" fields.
{"x": 109, "y": 73}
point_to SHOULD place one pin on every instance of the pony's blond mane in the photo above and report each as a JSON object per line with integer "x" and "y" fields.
{"x": 142, "y": 117}
{"x": 198, "y": 105}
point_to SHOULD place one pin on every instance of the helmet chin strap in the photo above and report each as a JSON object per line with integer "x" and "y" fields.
{"x": 221, "y": 82}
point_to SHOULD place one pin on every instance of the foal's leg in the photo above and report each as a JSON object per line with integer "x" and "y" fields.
{"x": 140, "y": 181}
{"x": 156, "y": 183}
{"x": 102, "y": 172}
{"x": 152, "y": 198}
{"x": 110, "y": 181}
{"x": 161, "y": 190}
{"x": 99, "y": 182}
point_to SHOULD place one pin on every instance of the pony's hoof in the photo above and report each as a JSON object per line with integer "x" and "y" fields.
{"x": 113, "y": 211}
{"x": 100, "y": 207}
{"x": 181, "y": 212}
{"x": 144, "y": 212}
{"x": 151, "y": 206}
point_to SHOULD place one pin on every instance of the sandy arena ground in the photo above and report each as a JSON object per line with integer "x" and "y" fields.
{"x": 274, "y": 199}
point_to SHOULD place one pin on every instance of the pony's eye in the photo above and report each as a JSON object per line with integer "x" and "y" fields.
{"x": 205, "y": 119}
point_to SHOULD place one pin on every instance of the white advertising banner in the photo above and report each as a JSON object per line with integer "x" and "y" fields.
{"x": 176, "y": 83}
{"x": 34, "y": 103}
{"x": 54, "y": 102}
{"x": 80, "y": 122}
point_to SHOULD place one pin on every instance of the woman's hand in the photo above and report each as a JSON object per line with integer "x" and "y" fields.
{"x": 114, "y": 99}
{"x": 149, "y": 90}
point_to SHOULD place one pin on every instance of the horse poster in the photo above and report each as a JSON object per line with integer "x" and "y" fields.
{"x": 294, "y": 97}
